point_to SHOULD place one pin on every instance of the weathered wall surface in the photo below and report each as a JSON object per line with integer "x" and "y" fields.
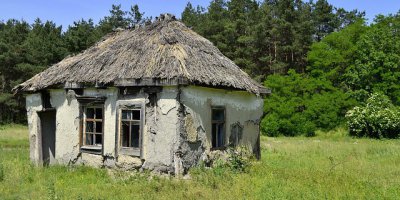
{"x": 241, "y": 108}
{"x": 34, "y": 104}
{"x": 67, "y": 125}
{"x": 68, "y": 119}
{"x": 160, "y": 133}
{"x": 159, "y": 128}
{"x": 176, "y": 128}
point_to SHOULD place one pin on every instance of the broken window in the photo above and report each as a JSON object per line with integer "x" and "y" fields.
{"x": 130, "y": 128}
{"x": 93, "y": 126}
{"x": 218, "y": 126}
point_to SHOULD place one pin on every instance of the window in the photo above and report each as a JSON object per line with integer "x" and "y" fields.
{"x": 218, "y": 127}
{"x": 130, "y": 128}
{"x": 93, "y": 126}
{"x": 92, "y": 123}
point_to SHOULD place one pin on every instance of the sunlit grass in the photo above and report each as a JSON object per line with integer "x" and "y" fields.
{"x": 13, "y": 135}
{"x": 328, "y": 166}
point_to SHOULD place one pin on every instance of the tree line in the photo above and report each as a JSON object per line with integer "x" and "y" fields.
{"x": 27, "y": 49}
{"x": 268, "y": 37}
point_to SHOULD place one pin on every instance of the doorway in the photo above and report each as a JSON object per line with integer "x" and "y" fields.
{"x": 48, "y": 136}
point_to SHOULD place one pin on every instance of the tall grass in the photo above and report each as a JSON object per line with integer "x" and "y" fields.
{"x": 328, "y": 166}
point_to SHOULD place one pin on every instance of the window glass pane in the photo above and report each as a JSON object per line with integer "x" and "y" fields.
{"x": 136, "y": 114}
{"x": 99, "y": 127}
{"x": 135, "y": 136}
{"x": 90, "y": 113}
{"x": 214, "y": 135}
{"x": 218, "y": 114}
{"x": 125, "y": 134}
{"x": 220, "y": 133}
{"x": 99, "y": 139}
{"x": 89, "y": 139}
{"x": 126, "y": 114}
{"x": 89, "y": 127}
{"x": 99, "y": 113}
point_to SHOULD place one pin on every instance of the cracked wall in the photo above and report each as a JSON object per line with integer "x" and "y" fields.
{"x": 176, "y": 128}
{"x": 34, "y": 104}
{"x": 241, "y": 108}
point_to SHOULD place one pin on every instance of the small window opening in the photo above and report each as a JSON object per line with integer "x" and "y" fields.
{"x": 46, "y": 100}
{"x": 93, "y": 126}
{"x": 218, "y": 127}
{"x": 130, "y": 128}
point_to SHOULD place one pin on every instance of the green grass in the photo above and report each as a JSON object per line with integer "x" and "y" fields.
{"x": 328, "y": 166}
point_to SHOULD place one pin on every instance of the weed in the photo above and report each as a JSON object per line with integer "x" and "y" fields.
{"x": 1, "y": 172}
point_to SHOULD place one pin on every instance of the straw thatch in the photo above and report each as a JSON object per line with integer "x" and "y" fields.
{"x": 165, "y": 50}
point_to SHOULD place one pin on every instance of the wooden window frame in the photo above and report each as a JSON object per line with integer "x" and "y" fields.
{"x": 84, "y": 102}
{"x": 95, "y": 120}
{"x": 223, "y": 122}
{"x": 132, "y": 151}
{"x": 97, "y": 149}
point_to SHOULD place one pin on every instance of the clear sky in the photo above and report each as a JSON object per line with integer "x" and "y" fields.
{"x": 65, "y": 12}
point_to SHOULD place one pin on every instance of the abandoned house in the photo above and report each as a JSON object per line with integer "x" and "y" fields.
{"x": 157, "y": 97}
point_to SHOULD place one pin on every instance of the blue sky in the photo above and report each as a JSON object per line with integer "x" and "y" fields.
{"x": 65, "y": 12}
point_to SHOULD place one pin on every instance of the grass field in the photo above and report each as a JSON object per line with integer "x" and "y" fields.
{"x": 328, "y": 166}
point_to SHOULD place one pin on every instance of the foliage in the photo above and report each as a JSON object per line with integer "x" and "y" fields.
{"x": 335, "y": 53}
{"x": 234, "y": 159}
{"x": 378, "y": 118}
{"x": 300, "y": 104}
{"x": 267, "y": 37}
{"x": 377, "y": 64}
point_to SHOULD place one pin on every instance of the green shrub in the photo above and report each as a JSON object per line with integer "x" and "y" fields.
{"x": 378, "y": 118}
{"x": 239, "y": 158}
{"x": 299, "y": 105}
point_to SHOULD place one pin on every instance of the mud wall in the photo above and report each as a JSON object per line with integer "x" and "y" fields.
{"x": 176, "y": 128}
{"x": 159, "y": 139}
{"x": 34, "y": 104}
{"x": 242, "y": 112}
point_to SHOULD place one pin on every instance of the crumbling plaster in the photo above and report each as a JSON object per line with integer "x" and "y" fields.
{"x": 176, "y": 128}
{"x": 240, "y": 107}
{"x": 159, "y": 130}
{"x": 34, "y": 104}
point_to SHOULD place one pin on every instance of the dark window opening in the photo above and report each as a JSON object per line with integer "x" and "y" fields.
{"x": 93, "y": 122}
{"x": 46, "y": 100}
{"x": 218, "y": 127}
{"x": 130, "y": 128}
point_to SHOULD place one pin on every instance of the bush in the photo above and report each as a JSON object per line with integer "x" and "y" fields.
{"x": 378, "y": 118}
{"x": 299, "y": 105}
{"x": 235, "y": 159}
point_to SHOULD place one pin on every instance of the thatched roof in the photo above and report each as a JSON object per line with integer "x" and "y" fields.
{"x": 166, "y": 51}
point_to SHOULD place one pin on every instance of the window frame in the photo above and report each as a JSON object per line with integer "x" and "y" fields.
{"x": 90, "y": 101}
{"x": 223, "y": 122}
{"x": 132, "y": 151}
{"x": 95, "y": 120}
